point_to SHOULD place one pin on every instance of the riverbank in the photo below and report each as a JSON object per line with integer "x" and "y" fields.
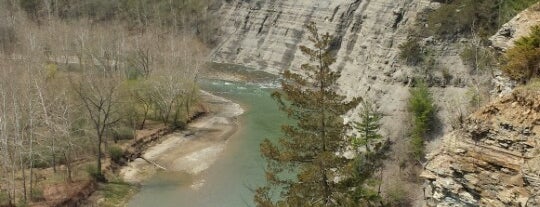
{"x": 192, "y": 150}
{"x": 239, "y": 169}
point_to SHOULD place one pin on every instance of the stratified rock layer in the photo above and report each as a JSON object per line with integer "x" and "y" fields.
{"x": 494, "y": 160}
{"x": 266, "y": 34}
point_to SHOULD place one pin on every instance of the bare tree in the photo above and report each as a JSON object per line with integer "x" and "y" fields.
{"x": 98, "y": 91}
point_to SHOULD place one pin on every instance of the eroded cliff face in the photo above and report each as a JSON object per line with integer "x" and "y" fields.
{"x": 266, "y": 34}
{"x": 494, "y": 160}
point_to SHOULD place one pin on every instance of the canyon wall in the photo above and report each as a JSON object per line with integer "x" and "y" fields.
{"x": 265, "y": 35}
{"x": 494, "y": 160}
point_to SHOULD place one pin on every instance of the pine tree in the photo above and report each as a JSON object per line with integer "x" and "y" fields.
{"x": 369, "y": 160}
{"x": 368, "y": 127}
{"x": 309, "y": 147}
{"x": 423, "y": 110}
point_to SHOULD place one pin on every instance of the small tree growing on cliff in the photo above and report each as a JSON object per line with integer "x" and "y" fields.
{"x": 370, "y": 153}
{"x": 310, "y": 146}
{"x": 368, "y": 127}
{"x": 423, "y": 111}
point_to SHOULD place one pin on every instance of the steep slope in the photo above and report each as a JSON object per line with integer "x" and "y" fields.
{"x": 265, "y": 35}
{"x": 518, "y": 27}
{"x": 494, "y": 160}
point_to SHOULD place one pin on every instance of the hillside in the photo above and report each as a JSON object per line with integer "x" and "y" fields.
{"x": 493, "y": 160}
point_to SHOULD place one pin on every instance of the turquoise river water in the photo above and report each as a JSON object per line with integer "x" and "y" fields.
{"x": 230, "y": 180}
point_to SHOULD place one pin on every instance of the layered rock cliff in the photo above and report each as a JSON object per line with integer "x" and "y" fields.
{"x": 266, "y": 34}
{"x": 494, "y": 160}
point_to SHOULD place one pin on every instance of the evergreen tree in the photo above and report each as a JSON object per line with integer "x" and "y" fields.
{"x": 423, "y": 110}
{"x": 368, "y": 127}
{"x": 367, "y": 161}
{"x": 309, "y": 148}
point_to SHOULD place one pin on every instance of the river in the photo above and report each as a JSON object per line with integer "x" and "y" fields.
{"x": 230, "y": 180}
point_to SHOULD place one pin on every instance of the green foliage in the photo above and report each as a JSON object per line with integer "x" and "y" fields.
{"x": 412, "y": 52}
{"x": 308, "y": 147}
{"x": 37, "y": 194}
{"x": 510, "y": 8}
{"x": 123, "y": 133}
{"x": 483, "y": 17}
{"x": 423, "y": 113}
{"x": 94, "y": 173}
{"x": 368, "y": 161}
{"x": 522, "y": 62}
{"x": 116, "y": 153}
{"x": 368, "y": 127}
{"x": 116, "y": 193}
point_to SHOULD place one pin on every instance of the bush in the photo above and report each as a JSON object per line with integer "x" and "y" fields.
{"x": 94, "y": 173}
{"x": 123, "y": 133}
{"x": 522, "y": 62}
{"x": 412, "y": 52}
{"x": 423, "y": 110}
{"x": 37, "y": 194}
{"x": 116, "y": 153}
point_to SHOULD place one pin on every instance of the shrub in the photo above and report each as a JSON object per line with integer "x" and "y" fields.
{"x": 522, "y": 62}
{"x": 411, "y": 52}
{"x": 447, "y": 75}
{"x": 94, "y": 173}
{"x": 123, "y": 133}
{"x": 37, "y": 194}
{"x": 116, "y": 153}
{"x": 423, "y": 110}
